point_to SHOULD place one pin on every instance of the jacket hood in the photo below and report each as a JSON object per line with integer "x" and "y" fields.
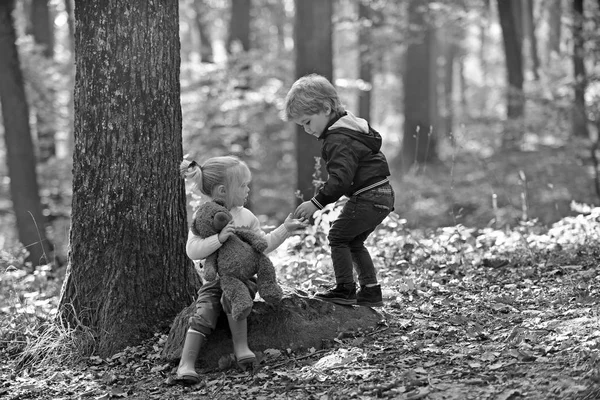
{"x": 358, "y": 129}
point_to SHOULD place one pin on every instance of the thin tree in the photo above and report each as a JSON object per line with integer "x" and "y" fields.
{"x": 206, "y": 49}
{"x": 365, "y": 58}
{"x": 239, "y": 25}
{"x": 554, "y": 14}
{"x": 128, "y": 273}
{"x": 20, "y": 157}
{"x": 313, "y": 32}
{"x": 512, "y": 40}
{"x": 42, "y": 30}
{"x": 420, "y": 89}
{"x": 578, "y": 115}
{"x": 529, "y": 29}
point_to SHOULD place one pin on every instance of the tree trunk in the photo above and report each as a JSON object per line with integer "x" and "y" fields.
{"x": 554, "y": 28}
{"x": 239, "y": 25}
{"x": 420, "y": 90}
{"x": 128, "y": 273}
{"x": 529, "y": 28}
{"x": 313, "y": 31}
{"x": 578, "y": 114}
{"x": 20, "y": 158}
{"x": 43, "y": 35}
{"x": 365, "y": 60}
{"x": 206, "y": 50}
{"x": 514, "y": 67}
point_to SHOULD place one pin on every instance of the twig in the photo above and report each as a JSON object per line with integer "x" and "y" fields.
{"x": 378, "y": 331}
{"x": 295, "y": 387}
{"x": 300, "y": 358}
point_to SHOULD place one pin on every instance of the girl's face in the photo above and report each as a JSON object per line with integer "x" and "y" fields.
{"x": 239, "y": 193}
{"x": 314, "y": 124}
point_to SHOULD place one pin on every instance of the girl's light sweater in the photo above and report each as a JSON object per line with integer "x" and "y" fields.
{"x": 198, "y": 248}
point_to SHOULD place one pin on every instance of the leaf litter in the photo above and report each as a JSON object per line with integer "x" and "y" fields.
{"x": 469, "y": 314}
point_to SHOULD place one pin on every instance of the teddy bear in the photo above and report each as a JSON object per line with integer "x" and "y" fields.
{"x": 239, "y": 258}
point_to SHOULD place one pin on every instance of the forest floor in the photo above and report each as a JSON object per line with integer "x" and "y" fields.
{"x": 500, "y": 311}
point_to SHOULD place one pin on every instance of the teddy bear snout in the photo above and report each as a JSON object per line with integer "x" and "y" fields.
{"x": 220, "y": 220}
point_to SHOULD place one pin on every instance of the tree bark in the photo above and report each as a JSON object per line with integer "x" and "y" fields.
{"x": 578, "y": 115}
{"x": 128, "y": 273}
{"x": 43, "y": 35}
{"x": 20, "y": 157}
{"x": 239, "y": 25}
{"x": 514, "y": 66}
{"x": 420, "y": 90}
{"x": 314, "y": 54}
{"x": 365, "y": 60}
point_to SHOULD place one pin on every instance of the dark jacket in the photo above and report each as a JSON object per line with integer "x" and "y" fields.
{"x": 351, "y": 151}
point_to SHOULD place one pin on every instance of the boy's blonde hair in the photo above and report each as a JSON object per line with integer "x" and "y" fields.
{"x": 228, "y": 171}
{"x": 310, "y": 95}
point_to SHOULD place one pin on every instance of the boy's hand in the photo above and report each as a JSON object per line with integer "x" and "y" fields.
{"x": 292, "y": 224}
{"x": 305, "y": 211}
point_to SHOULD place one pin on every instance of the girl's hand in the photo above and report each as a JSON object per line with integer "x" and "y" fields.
{"x": 292, "y": 224}
{"x": 227, "y": 231}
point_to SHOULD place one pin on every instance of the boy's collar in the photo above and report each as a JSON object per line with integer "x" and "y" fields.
{"x": 331, "y": 122}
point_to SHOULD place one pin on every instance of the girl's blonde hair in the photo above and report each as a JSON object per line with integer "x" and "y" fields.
{"x": 228, "y": 171}
{"x": 310, "y": 95}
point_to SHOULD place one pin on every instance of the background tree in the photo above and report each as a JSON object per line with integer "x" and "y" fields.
{"x": 239, "y": 25}
{"x": 578, "y": 115}
{"x": 449, "y": 42}
{"x": 365, "y": 59}
{"x": 206, "y": 49}
{"x": 128, "y": 272}
{"x": 512, "y": 40}
{"x": 20, "y": 157}
{"x": 41, "y": 28}
{"x": 420, "y": 88}
{"x": 314, "y": 54}
{"x": 553, "y": 18}
{"x": 529, "y": 29}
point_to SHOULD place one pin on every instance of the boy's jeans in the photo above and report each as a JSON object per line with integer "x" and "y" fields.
{"x": 358, "y": 219}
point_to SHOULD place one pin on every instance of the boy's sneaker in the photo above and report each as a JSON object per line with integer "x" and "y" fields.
{"x": 344, "y": 294}
{"x": 369, "y": 296}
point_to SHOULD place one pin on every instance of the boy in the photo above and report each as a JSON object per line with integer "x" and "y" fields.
{"x": 356, "y": 168}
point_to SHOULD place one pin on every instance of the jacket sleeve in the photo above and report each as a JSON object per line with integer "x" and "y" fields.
{"x": 341, "y": 167}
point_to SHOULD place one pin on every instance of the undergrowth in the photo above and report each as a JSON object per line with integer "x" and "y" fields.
{"x": 406, "y": 259}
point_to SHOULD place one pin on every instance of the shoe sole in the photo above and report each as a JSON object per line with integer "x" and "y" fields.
{"x": 188, "y": 379}
{"x": 342, "y": 302}
{"x": 370, "y": 304}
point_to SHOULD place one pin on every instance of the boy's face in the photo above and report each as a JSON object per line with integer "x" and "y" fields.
{"x": 314, "y": 124}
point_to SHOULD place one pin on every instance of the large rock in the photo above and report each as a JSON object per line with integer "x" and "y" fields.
{"x": 300, "y": 322}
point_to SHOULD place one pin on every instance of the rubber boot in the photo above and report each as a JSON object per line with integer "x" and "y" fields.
{"x": 239, "y": 334}
{"x": 186, "y": 371}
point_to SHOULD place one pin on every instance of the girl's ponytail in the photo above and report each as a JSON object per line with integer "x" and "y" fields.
{"x": 192, "y": 171}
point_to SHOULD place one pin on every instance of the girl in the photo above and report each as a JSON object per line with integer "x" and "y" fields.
{"x": 225, "y": 178}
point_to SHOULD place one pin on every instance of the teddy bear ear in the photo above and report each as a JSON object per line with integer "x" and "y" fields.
{"x": 220, "y": 202}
